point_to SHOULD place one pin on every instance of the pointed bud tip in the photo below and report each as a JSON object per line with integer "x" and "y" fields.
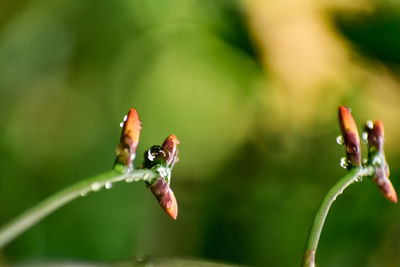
{"x": 165, "y": 197}
{"x": 390, "y": 193}
{"x": 170, "y": 146}
{"x": 346, "y": 120}
{"x": 172, "y": 211}
{"x": 351, "y": 138}
{"x": 378, "y": 125}
{"x": 131, "y": 127}
{"x": 171, "y": 139}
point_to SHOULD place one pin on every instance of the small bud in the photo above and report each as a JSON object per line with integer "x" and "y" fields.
{"x": 170, "y": 147}
{"x": 376, "y": 135}
{"x": 165, "y": 196}
{"x": 381, "y": 179}
{"x": 376, "y": 138}
{"x": 126, "y": 150}
{"x": 350, "y": 136}
{"x": 162, "y": 159}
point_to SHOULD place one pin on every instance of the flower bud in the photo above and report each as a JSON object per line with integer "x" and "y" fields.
{"x": 162, "y": 159}
{"x": 126, "y": 150}
{"x": 170, "y": 147}
{"x": 376, "y": 137}
{"x": 165, "y": 196}
{"x": 350, "y": 136}
{"x": 381, "y": 179}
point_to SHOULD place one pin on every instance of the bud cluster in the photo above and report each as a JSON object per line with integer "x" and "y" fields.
{"x": 162, "y": 159}
{"x": 376, "y": 155}
{"x": 126, "y": 150}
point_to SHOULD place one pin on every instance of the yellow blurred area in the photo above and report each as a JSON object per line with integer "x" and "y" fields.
{"x": 311, "y": 65}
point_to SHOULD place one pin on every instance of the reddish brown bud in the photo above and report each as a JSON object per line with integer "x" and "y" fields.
{"x": 350, "y": 136}
{"x": 170, "y": 147}
{"x": 126, "y": 150}
{"x": 376, "y": 136}
{"x": 165, "y": 196}
{"x": 381, "y": 179}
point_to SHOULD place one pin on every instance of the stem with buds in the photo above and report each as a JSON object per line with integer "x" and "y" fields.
{"x": 156, "y": 172}
{"x": 30, "y": 217}
{"x": 376, "y": 168}
{"x": 354, "y": 175}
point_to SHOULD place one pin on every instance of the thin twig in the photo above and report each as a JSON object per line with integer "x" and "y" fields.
{"x": 319, "y": 220}
{"x": 33, "y": 215}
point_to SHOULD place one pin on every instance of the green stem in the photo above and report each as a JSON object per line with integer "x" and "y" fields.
{"x": 30, "y": 217}
{"x": 336, "y": 190}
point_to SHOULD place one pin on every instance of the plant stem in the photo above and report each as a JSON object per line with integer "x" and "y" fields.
{"x": 33, "y": 215}
{"x": 337, "y": 189}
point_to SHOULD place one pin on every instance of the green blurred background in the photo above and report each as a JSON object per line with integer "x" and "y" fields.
{"x": 251, "y": 89}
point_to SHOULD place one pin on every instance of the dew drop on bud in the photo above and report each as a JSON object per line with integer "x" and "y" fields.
{"x": 343, "y": 163}
{"x": 369, "y": 124}
{"x": 377, "y": 161}
{"x": 121, "y": 124}
{"x": 125, "y": 117}
{"x": 340, "y": 140}
{"x": 364, "y": 137}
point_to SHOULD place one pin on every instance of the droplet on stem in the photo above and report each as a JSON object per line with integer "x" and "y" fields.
{"x": 95, "y": 186}
{"x": 369, "y": 124}
{"x": 364, "y": 137}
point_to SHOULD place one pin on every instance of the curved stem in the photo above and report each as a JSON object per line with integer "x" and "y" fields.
{"x": 33, "y": 215}
{"x": 337, "y": 189}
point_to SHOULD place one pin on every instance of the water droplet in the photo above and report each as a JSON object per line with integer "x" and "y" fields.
{"x": 129, "y": 180}
{"x": 125, "y": 117}
{"x": 364, "y": 137}
{"x": 96, "y": 186}
{"x": 121, "y": 124}
{"x": 343, "y": 163}
{"x": 369, "y": 124}
{"x": 365, "y": 161}
{"x": 377, "y": 161}
{"x": 340, "y": 140}
{"x": 108, "y": 185}
{"x": 84, "y": 193}
{"x": 358, "y": 179}
{"x": 150, "y": 156}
